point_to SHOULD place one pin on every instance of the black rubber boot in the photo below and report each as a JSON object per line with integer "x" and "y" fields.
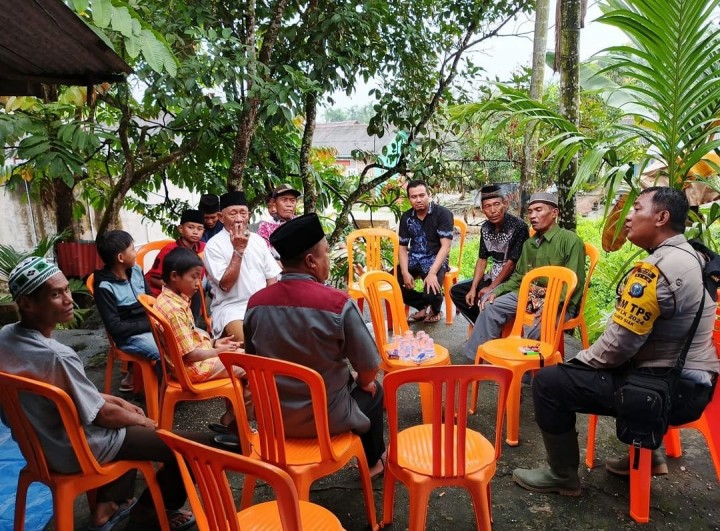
{"x": 561, "y": 476}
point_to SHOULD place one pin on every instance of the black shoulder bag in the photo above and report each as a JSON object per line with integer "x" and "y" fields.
{"x": 644, "y": 401}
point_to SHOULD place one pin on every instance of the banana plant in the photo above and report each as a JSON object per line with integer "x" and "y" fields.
{"x": 669, "y": 96}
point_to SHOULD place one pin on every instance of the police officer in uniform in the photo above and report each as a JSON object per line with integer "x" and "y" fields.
{"x": 657, "y": 306}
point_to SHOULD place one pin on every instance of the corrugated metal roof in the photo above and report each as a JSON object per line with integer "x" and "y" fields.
{"x": 43, "y": 41}
{"x": 347, "y": 136}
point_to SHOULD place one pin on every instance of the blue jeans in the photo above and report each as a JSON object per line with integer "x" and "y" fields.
{"x": 143, "y": 345}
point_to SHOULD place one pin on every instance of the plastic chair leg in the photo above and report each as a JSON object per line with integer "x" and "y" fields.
{"x": 513, "y": 410}
{"x": 167, "y": 413}
{"x": 63, "y": 501}
{"x": 481, "y": 504}
{"x": 640, "y": 486}
{"x": 711, "y": 431}
{"x": 156, "y": 493}
{"x": 109, "y": 372}
{"x": 590, "y": 447}
{"x": 368, "y": 493}
{"x": 449, "y": 306}
{"x": 671, "y": 440}
{"x": 419, "y": 501}
{"x": 21, "y": 501}
{"x": 248, "y": 493}
{"x": 388, "y": 497}
{"x": 150, "y": 388}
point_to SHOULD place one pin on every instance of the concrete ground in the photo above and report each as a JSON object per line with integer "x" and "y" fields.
{"x": 687, "y": 498}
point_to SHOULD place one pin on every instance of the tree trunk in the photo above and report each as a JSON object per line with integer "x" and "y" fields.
{"x": 248, "y": 117}
{"x": 571, "y": 19}
{"x": 310, "y": 188}
{"x": 64, "y": 201}
{"x": 529, "y": 167}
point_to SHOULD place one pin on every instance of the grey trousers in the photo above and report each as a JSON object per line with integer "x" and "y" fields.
{"x": 489, "y": 323}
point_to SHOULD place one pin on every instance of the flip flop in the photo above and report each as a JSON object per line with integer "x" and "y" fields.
{"x": 187, "y": 524}
{"x": 122, "y": 512}
{"x": 433, "y": 317}
{"x": 417, "y": 316}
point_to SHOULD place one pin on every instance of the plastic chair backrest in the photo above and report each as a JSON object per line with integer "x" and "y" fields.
{"x": 11, "y": 387}
{"x": 450, "y": 386}
{"x": 209, "y": 466}
{"x": 261, "y": 374}
{"x": 373, "y": 249}
{"x": 372, "y": 284}
{"x": 561, "y": 282}
{"x": 146, "y": 249}
{"x": 461, "y": 227}
{"x": 90, "y": 284}
{"x": 167, "y": 344}
{"x": 593, "y": 254}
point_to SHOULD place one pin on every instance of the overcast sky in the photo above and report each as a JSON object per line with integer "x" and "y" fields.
{"x": 503, "y": 55}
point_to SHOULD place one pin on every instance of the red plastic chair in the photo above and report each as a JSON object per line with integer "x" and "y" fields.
{"x": 144, "y": 250}
{"x": 64, "y": 487}
{"x": 510, "y": 351}
{"x": 215, "y": 509}
{"x": 305, "y": 460}
{"x": 708, "y": 424}
{"x": 146, "y": 376}
{"x": 444, "y": 452}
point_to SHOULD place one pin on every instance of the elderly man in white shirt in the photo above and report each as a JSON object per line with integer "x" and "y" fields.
{"x": 238, "y": 264}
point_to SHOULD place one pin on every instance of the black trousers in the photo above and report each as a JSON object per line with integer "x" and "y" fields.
{"x": 561, "y": 391}
{"x": 458, "y": 293}
{"x": 423, "y": 299}
{"x": 143, "y": 444}
{"x": 372, "y": 440}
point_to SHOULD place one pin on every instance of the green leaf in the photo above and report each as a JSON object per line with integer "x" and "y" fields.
{"x": 101, "y": 12}
{"x": 122, "y": 21}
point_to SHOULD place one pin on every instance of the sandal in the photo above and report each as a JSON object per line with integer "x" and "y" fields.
{"x": 418, "y": 316}
{"x": 126, "y": 384}
{"x": 122, "y": 512}
{"x": 433, "y": 317}
{"x": 177, "y": 518}
{"x": 381, "y": 472}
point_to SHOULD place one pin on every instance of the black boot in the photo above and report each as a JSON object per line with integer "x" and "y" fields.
{"x": 563, "y": 456}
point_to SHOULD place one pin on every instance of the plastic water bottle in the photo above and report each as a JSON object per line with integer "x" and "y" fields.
{"x": 406, "y": 345}
{"x": 393, "y": 348}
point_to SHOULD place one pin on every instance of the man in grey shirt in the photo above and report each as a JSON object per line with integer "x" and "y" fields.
{"x": 115, "y": 429}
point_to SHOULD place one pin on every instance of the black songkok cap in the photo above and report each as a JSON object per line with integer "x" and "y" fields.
{"x": 491, "y": 191}
{"x": 209, "y": 204}
{"x": 291, "y": 239}
{"x": 232, "y": 199}
{"x": 192, "y": 216}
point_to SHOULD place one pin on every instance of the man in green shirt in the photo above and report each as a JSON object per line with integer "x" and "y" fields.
{"x": 550, "y": 245}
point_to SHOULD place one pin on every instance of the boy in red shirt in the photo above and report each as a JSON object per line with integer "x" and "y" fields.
{"x": 191, "y": 230}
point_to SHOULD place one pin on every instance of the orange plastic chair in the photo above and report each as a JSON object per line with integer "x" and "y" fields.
{"x": 64, "y": 487}
{"x": 305, "y": 460}
{"x": 215, "y": 508}
{"x": 146, "y": 249}
{"x": 177, "y": 385}
{"x": 708, "y": 424}
{"x": 373, "y": 238}
{"x": 444, "y": 452}
{"x": 147, "y": 368}
{"x": 451, "y": 277}
{"x": 579, "y": 321}
{"x": 510, "y": 351}
{"x": 379, "y": 287}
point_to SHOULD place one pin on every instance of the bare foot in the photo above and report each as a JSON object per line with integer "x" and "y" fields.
{"x": 104, "y": 511}
{"x": 378, "y": 468}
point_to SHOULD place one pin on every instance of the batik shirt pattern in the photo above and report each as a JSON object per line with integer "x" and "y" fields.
{"x": 422, "y": 237}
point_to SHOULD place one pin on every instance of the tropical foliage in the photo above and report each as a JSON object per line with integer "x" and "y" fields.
{"x": 668, "y": 96}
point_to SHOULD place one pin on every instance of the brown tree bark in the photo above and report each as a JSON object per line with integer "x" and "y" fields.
{"x": 310, "y": 187}
{"x": 247, "y": 122}
{"x": 571, "y": 20}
